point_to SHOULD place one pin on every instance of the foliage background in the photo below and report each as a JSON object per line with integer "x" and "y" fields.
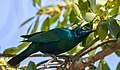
{"x": 13, "y": 13}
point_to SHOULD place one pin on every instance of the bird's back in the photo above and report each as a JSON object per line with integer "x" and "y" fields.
{"x": 65, "y": 43}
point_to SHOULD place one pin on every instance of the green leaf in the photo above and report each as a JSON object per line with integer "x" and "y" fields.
{"x": 93, "y": 5}
{"x": 83, "y": 5}
{"x": 66, "y": 18}
{"x": 23, "y": 68}
{"x": 74, "y": 50}
{"x": 11, "y": 50}
{"x": 113, "y": 27}
{"x": 92, "y": 52}
{"x": 36, "y": 25}
{"x": 89, "y": 16}
{"x": 29, "y": 29}
{"x": 103, "y": 65}
{"x": 119, "y": 9}
{"x": 66, "y": 14}
{"x": 90, "y": 38}
{"x": 46, "y": 24}
{"x": 21, "y": 46}
{"x": 34, "y": 2}
{"x": 118, "y": 66}
{"x": 114, "y": 11}
{"x": 38, "y": 2}
{"x": 117, "y": 53}
{"x": 59, "y": 25}
{"x": 26, "y": 21}
{"x": 119, "y": 22}
{"x": 72, "y": 17}
{"x": 76, "y": 9}
{"x": 103, "y": 2}
{"x": 102, "y": 29}
{"x": 118, "y": 35}
{"x": 54, "y": 18}
{"x": 64, "y": 23}
{"x": 102, "y": 33}
{"x": 31, "y": 66}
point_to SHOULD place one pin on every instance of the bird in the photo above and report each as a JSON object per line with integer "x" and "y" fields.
{"x": 54, "y": 41}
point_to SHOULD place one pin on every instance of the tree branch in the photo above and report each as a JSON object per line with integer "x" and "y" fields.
{"x": 80, "y": 53}
{"x": 83, "y": 62}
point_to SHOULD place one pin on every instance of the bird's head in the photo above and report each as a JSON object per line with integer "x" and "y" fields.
{"x": 82, "y": 31}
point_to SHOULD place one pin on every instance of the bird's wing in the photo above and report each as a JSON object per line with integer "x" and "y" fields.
{"x": 45, "y": 37}
{"x": 31, "y": 35}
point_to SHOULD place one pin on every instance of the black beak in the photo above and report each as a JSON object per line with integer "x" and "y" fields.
{"x": 90, "y": 31}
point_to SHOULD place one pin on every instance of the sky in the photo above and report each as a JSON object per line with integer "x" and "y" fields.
{"x": 13, "y": 13}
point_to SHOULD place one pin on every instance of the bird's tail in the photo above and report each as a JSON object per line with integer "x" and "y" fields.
{"x": 26, "y": 53}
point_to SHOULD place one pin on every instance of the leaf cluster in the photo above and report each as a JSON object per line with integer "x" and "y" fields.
{"x": 101, "y": 16}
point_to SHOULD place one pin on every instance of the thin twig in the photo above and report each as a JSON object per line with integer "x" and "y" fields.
{"x": 83, "y": 62}
{"x": 42, "y": 62}
{"x": 57, "y": 67}
{"x": 86, "y": 47}
{"x": 93, "y": 48}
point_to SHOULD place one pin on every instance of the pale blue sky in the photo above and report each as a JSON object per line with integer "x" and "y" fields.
{"x": 12, "y": 14}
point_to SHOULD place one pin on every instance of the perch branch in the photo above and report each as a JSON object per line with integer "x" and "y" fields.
{"x": 83, "y": 62}
{"x": 80, "y": 53}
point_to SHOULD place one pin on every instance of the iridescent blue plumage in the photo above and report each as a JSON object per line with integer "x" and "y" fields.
{"x": 55, "y": 41}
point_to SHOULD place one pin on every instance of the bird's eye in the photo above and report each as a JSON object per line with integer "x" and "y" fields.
{"x": 83, "y": 28}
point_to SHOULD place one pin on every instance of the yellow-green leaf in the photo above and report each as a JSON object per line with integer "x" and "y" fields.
{"x": 38, "y": 2}
{"x": 93, "y": 5}
{"x": 113, "y": 27}
{"x": 26, "y": 21}
{"x": 11, "y": 50}
{"x": 118, "y": 66}
{"x": 90, "y": 38}
{"x": 46, "y": 24}
{"x": 102, "y": 29}
{"x": 72, "y": 17}
{"x": 83, "y": 5}
{"x": 74, "y": 50}
{"x": 76, "y": 9}
{"x": 23, "y": 68}
{"x": 89, "y": 16}
{"x": 21, "y": 46}
{"x": 114, "y": 11}
{"x": 103, "y": 65}
{"x": 54, "y": 18}
{"x": 103, "y": 2}
{"x": 28, "y": 30}
{"x": 35, "y": 25}
{"x": 117, "y": 53}
{"x": 102, "y": 33}
{"x": 92, "y": 52}
{"x": 31, "y": 66}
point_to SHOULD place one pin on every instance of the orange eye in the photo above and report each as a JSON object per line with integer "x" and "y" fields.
{"x": 83, "y": 28}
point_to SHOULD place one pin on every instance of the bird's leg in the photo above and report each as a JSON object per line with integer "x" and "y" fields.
{"x": 67, "y": 58}
{"x": 54, "y": 58}
{"x": 47, "y": 63}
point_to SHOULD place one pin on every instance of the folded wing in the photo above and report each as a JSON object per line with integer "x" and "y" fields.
{"x": 49, "y": 36}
